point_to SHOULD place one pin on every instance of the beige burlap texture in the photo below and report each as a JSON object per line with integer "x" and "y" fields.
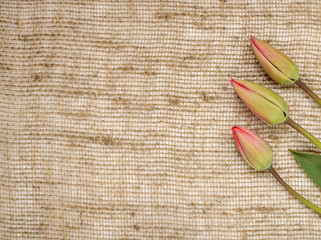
{"x": 116, "y": 120}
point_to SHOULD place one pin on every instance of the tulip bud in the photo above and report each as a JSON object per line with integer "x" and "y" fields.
{"x": 277, "y": 65}
{"x": 253, "y": 148}
{"x": 258, "y": 155}
{"x": 263, "y": 102}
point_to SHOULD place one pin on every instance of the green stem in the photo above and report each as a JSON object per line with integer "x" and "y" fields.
{"x": 294, "y": 193}
{"x": 304, "y": 132}
{"x": 308, "y": 91}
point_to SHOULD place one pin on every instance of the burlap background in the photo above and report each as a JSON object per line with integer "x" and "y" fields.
{"x": 116, "y": 120}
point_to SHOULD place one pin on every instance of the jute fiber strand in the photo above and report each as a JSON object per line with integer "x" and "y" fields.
{"x": 116, "y": 116}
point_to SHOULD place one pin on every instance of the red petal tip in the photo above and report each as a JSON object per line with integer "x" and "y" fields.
{"x": 233, "y": 128}
{"x": 235, "y": 81}
{"x": 238, "y": 128}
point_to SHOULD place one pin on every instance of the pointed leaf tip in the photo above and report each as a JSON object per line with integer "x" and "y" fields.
{"x": 311, "y": 163}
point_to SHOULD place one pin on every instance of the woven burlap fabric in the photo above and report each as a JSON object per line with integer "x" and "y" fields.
{"x": 116, "y": 120}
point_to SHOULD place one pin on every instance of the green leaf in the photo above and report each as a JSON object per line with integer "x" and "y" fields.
{"x": 311, "y": 163}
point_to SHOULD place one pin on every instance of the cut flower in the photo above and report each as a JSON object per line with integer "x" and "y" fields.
{"x": 259, "y": 156}
{"x": 268, "y": 106}
{"x": 253, "y": 148}
{"x": 277, "y": 65}
{"x": 263, "y": 102}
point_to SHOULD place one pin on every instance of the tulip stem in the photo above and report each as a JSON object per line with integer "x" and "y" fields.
{"x": 293, "y": 192}
{"x": 308, "y": 91}
{"x": 304, "y": 132}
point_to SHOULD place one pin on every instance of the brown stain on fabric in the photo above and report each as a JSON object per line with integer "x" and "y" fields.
{"x": 104, "y": 140}
{"x": 136, "y": 227}
{"x": 163, "y": 16}
{"x": 150, "y": 73}
{"x": 132, "y": 214}
{"x": 37, "y": 77}
{"x": 173, "y": 101}
{"x": 206, "y": 97}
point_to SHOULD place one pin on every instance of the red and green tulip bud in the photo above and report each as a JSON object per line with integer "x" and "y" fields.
{"x": 268, "y": 106}
{"x": 253, "y": 148}
{"x": 261, "y": 101}
{"x": 258, "y": 155}
{"x": 279, "y": 66}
